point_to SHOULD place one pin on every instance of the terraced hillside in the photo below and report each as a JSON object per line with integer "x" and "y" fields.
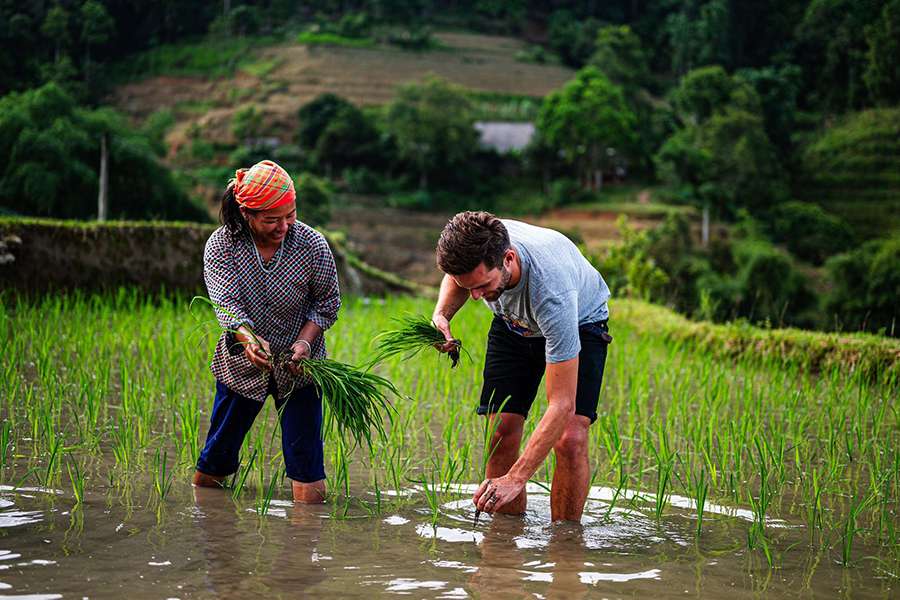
{"x": 853, "y": 170}
{"x": 279, "y": 79}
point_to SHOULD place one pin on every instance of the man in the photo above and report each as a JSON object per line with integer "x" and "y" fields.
{"x": 550, "y": 314}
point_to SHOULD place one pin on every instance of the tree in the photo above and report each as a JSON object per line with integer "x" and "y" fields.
{"x": 698, "y": 35}
{"x": 832, "y": 49}
{"x": 589, "y": 122}
{"x": 314, "y": 117}
{"x": 778, "y": 89}
{"x": 96, "y": 29}
{"x": 49, "y": 157}
{"x": 720, "y": 154}
{"x": 572, "y": 38}
{"x": 620, "y": 56}
{"x": 432, "y": 125}
{"x": 337, "y": 134}
{"x": 882, "y": 74}
{"x": 56, "y": 27}
{"x": 350, "y": 139}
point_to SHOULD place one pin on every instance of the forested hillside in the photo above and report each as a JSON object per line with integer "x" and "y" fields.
{"x": 775, "y": 123}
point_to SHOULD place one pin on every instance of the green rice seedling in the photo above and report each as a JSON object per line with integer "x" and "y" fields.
{"x": 52, "y": 462}
{"x": 265, "y": 500}
{"x": 240, "y": 478}
{"x": 5, "y": 434}
{"x": 431, "y": 490}
{"x": 356, "y": 400}
{"x": 412, "y": 335}
{"x": 490, "y": 429}
{"x": 850, "y": 528}
{"x": 162, "y": 476}
{"x": 700, "y": 485}
{"x": 76, "y": 478}
{"x": 756, "y": 535}
{"x": 665, "y": 462}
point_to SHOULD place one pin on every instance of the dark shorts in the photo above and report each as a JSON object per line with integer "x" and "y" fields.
{"x": 514, "y": 366}
{"x": 301, "y": 432}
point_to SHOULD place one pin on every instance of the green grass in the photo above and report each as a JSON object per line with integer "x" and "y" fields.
{"x": 311, "y": 38}
{"x": 782, "y": 424}
{"x": 208, "y": 57}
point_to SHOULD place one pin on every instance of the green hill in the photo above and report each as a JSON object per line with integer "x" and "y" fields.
{"x": 853, "y": 170}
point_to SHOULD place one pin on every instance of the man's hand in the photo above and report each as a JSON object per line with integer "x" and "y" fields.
{"x": 494, "y": 493}
{"x": 257, "y": 352}
{"x": 300, "y": 350}
{"x": 443, "y": 325}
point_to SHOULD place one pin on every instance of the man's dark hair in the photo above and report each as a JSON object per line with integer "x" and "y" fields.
{"x": 469, "y": 239}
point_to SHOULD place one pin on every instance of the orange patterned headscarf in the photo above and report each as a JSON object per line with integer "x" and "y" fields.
{"x": 263, "y": 186}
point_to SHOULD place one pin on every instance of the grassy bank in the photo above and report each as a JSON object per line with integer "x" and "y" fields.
{"x": 874, "y": 357}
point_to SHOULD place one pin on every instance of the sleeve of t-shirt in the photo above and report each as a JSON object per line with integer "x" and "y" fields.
{"x": 557, "y": 316}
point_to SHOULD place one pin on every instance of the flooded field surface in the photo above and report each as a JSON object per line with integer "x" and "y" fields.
{"x": 709, "y": 479}
{"x": 201, "y": 544}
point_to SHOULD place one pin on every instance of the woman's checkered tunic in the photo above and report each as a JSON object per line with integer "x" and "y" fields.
{"x": 299, "y": 285}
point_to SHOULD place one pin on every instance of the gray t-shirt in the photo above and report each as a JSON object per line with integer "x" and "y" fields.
{"x": 558, "y": 291}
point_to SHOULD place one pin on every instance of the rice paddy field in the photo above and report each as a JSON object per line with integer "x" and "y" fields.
{"x": 710, "y": 477}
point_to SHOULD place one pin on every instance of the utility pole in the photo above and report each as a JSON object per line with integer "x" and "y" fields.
{"x": 103, "y": 195}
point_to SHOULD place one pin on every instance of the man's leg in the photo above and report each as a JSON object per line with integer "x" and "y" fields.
{"x": 505, "y": 444}
{"x": 573, "y": 474}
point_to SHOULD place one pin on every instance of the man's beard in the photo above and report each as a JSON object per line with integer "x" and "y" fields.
{"x": 505, "y": 276}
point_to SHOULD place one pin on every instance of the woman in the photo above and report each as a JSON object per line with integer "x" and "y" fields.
{"x": 274, "y": 282}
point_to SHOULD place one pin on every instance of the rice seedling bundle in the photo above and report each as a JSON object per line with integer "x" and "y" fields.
{"x": 356, "y": 400}
{"x": 412, "y": 335}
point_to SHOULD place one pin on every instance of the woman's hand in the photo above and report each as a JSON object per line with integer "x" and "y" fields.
{"x": 494, "y": 493}
{"x": 300, "y": 350}
{"x": 256, "y": 350}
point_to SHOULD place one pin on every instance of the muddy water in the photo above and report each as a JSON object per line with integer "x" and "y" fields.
{"x": 202, "y": 544}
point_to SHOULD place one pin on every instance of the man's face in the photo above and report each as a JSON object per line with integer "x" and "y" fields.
{"x": 484, "y": 283}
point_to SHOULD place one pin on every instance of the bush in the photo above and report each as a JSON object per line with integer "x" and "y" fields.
{"x": 414, "y": 37}
{"x": 533, "y": 54}
{"x": 246, "y": 122}
{"x": 314, "y": 199}
{"x": 809, "y": 232}
{"x": 771, "y": 290}
{"x": 568, "y": 191}
{"x": 866, "y": 286}
{"x": 629, "y": 269}
{"x": 415, "y": 200}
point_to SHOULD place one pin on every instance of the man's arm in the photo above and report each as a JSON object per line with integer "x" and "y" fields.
{"x": 562, "y": 382}
{"x": 450, "y": 300}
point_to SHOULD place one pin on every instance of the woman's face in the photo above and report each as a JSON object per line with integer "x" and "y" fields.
{"x": 270, "y": 226}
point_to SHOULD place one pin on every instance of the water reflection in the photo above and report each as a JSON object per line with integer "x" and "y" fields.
{"x": 249, "y": 556}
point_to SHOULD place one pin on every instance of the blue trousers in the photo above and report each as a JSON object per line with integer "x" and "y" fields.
{"x": 301, "y": 432}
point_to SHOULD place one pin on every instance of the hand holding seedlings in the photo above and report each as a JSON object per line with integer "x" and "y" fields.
{"x": 256, "y": 349}
{"x": 414, "y": 334}
{"x": 300, "y": 350}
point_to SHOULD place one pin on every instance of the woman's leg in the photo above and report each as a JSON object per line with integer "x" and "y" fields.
{"x": 231, "y": 419}
{"x": 301, "y": 443}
